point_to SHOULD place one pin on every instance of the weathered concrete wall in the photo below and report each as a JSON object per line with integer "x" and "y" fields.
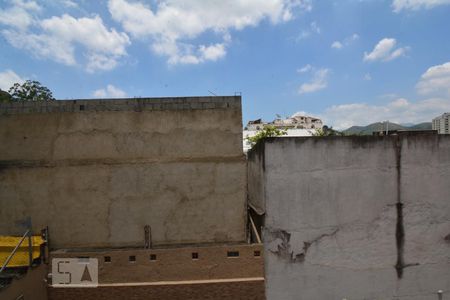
{"x": 255, "y": 179}
{"x": 355, "y": 217}
{"x": 97, "y": 172}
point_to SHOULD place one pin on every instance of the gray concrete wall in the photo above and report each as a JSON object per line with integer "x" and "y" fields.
{"x": 96, "y": 172}
{"x": 255, "y": 179}
{"x": 355, "y": 217}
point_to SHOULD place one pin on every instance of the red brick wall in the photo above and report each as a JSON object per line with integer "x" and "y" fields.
{"x": 175, "y": 264}
{"x": 253, "y": 290}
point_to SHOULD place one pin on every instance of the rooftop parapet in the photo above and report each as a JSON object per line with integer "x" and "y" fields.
{"x": 126, "y": 104}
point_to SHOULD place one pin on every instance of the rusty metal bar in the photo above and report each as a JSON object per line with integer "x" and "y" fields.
{"x": 258, "y": 239}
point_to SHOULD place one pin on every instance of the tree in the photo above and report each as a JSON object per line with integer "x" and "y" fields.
{"x": 30, "y": 91}
{"x": 4, "y": 96}
{"x": 327, "y": 131}
{"x": 267, "y": 131}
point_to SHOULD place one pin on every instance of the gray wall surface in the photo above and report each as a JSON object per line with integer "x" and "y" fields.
{"x": 354, "y": 217}
{"x": 96, "y": 172}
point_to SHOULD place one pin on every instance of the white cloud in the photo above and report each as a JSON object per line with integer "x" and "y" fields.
{"x": 306, "y": 33}
{"x": 59, "y": 37}
{"x": 8, "y": 78}
{"x": 109, "y": 92}
{"x": 399, "y": 5}
{"x": 315, "y": 28}
{"x": 69, "y": 3}
{"x": 19, "y": 15}
{"x": 346, "y": 42}
{"x": 318, "y": 82}
{"x": 99, "y": 61}
{"x": 213, "y": 52}
{"x": 398, "y": 111}
{"x": 27, "y": 4}
{"x": 43, "y": 46}
{"x": 337, "y": 45}
{"x": 385, "y": 50}
{"x": 172, "y": 26}
{"x": 305, "y": 69}
{"x": 435, "y": 81}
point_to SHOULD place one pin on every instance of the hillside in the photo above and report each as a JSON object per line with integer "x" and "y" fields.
{"x": 367, "y": 130}
{"x": 421, "y": 126}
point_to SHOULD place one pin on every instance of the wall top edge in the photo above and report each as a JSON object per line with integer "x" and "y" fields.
{"x": 123, "y": 104}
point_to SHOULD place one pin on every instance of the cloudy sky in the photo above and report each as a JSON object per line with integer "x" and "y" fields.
{"x": 348, "y": 61}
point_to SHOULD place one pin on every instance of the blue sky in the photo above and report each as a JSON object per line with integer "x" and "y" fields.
{"x": 348, "y": 62}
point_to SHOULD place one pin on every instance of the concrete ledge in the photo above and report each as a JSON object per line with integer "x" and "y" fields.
{"x": 126, "y": 104}
{"x": 181, "y": 282}
{"x": 240, "y": 290}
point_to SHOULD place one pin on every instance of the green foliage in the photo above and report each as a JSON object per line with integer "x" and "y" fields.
{"x": 4, "y": 96}
{"x": 267, "y": 131}
{"x": 30, "y": 91}
{"x": 327, "y": 131}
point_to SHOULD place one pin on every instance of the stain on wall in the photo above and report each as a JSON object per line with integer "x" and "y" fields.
{"x": 99, "y": 175}
{"x": 355, "y": 217}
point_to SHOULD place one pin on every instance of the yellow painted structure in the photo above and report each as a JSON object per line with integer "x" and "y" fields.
{"x": 20, "y": 258}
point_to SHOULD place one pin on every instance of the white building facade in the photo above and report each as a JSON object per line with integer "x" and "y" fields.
{"x": 297, "y": 125}
{"x": 441, "y": 124}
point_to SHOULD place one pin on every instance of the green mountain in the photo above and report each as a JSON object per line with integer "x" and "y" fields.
{"x": 421, "y": 126}
{"x": 367, "y": 130}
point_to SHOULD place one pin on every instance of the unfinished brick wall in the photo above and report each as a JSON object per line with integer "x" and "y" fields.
{"x": 175, "y": 264}
{"x": 208, "y": 272}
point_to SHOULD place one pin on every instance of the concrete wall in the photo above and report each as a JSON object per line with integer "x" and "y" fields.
{"x": 32, "y": 285}
{"x": 96, "y": 172}
{"x": 354, "y": 217}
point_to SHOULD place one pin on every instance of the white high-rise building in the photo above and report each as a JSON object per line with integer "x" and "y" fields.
{"x": 441, "y": 124}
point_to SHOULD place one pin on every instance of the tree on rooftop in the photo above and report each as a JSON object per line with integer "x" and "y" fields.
{"x": 267, "y": 131}
{"x": 30, "y": 90}
{"x": 327, "y": 131}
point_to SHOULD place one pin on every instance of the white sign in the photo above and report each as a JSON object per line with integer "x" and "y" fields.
{"x": 74, "y": 272}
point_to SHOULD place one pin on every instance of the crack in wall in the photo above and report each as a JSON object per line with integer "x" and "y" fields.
{"x": 283, "y": 247}
{"x": 285, "y": 250}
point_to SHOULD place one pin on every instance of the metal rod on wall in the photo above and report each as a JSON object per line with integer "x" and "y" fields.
{"x": 147, "y": 237}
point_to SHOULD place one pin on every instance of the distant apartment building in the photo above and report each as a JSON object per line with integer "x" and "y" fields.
{"x": 441, "y": 124}
{"x": 297, "y": 125}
